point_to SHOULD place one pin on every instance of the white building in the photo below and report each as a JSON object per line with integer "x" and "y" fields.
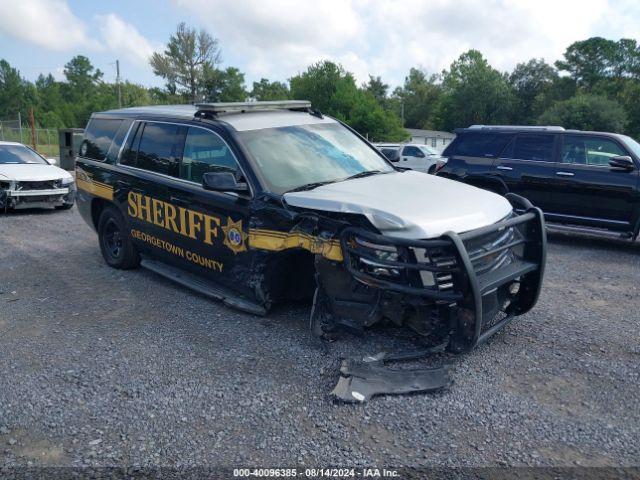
{"x": 433, "y": 138}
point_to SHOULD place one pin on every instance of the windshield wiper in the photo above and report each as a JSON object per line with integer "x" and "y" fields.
{"x": 366, "y": 173}
{"x": 310, "y": 186}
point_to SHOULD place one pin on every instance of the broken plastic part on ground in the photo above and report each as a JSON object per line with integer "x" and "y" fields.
{"x": 361, "y": 379}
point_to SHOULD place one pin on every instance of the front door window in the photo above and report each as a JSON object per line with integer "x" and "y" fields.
{"x": 587, "y": 150}
{"x": 205, "y": 152}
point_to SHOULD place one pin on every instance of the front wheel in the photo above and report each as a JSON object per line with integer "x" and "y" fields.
{"x": 115, "y": 243}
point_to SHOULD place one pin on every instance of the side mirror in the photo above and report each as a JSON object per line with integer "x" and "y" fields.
{"x": 622, "y": 162}
{"x": 223, "y": 182}
{"x": 420, "y": 154}
{"x": 52, "y": 161}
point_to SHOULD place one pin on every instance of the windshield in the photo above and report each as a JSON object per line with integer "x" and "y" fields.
{"x": 19, "y": 154}
{"x": 429, "y": 150}
{"x": 290, "y": 157}
{"x": 632, "y": 144}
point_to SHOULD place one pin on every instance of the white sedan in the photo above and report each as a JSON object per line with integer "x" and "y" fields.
{"x": 28, "y": 180}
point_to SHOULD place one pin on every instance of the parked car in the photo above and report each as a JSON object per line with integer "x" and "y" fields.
{"x": 585, "y": 181}
{"x": 28, "y": 180}
{"x": 258, "y": 202}
{"x": 392, "y": 153}
{"x": 422, "y": 158}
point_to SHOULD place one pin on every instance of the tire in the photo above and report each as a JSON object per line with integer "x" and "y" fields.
{"x": 66, "y": 206}
{"x": 115, "y": 243}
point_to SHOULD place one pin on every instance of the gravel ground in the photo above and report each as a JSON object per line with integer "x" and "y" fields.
{"x": 102, "y": 367}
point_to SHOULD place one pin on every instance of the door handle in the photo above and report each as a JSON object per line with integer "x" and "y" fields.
{"x": 502, "y": 167}
{"x": 179, "y": 201}
{"x": 565, "y": 174}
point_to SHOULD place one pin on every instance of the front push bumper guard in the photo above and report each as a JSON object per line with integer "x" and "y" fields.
{"x": 470, "y": 284}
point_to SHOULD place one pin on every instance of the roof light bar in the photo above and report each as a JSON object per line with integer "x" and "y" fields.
{"x": 550, "y": 128}
{"x": 228, "y": 107}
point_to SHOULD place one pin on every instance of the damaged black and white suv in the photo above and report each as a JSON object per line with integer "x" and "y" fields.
{"x": 260, "y": 202}
{"x": 28, "y": 180}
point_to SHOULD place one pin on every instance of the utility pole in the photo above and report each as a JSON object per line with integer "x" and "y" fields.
{"x": 33, "y": 129}
{"x": 118, "y": 83}
{"x": 20, "y": 125}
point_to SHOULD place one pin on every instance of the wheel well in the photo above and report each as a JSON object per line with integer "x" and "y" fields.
{"x": 97, "y": 206}
{"x": 492, "y": 184}
{"x": 291, "y": 275}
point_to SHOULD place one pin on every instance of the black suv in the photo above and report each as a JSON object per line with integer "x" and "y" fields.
{"x": 586, "y": 181}
{"x": 258, "y": 202}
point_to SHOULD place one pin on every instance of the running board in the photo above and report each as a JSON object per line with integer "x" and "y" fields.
{"x": 591, "y": 230}
{"x": 203, "y": 286}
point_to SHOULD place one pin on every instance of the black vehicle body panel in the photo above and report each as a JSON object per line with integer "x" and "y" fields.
{"x": 597, "y": 196}
{"x": 264, "y": 250}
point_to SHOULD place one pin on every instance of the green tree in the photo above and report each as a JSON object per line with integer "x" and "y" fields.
{"x": 533, "y": 83}
{"x": 589, "y": 61}
{"x": 265, "y": 90}
{"x": 630, "y": 98}
{"x": 474, "y": 92}
{"x": 586, "y": 112}
{"x": 11, "y": 91}
{"x": 225, "y": 85}
{"x": 83, "y": 90}
{"x": 376, "y": 87}
{"x": 324, "y": 84}
{"x": 188, "y": 57}
{"x": 418, "y": 99}
{"x": 333, "y": 91}
{"x": 159, "y": 96}
{"x": 81, "y": 75}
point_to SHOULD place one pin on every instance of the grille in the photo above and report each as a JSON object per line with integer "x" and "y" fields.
{"x": 438, "y": 257}
{"x": 476, "y": 247}
{"x": 42, "y": 185}
{"x": 486, "y": 243}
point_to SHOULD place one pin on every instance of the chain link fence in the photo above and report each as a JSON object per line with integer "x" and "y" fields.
{"x": 46, "y": 139}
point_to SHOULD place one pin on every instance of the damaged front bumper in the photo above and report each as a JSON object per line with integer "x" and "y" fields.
{"x": 13, "y": 197}
{"x": 465, "y": 286}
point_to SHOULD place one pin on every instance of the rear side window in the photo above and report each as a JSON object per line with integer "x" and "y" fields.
{"x": 156, "y": 147}
{"x": 98, "y": 137}
{"x": 476, "y": 144}
{"x": 114, "y": 149}
{"x": 204, "y": 152}
{"x": 537, "y": 148}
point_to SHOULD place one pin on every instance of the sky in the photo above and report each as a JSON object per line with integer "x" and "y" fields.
{"x": 277, "y": 39}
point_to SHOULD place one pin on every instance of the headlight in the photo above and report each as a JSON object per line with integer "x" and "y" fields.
{"x": 66, "y": 181}
{"x": 381, "y": 252}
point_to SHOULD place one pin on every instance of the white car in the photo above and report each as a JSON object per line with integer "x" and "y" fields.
{"x": 28, "y": 180}
{"x": 414, "y": 156}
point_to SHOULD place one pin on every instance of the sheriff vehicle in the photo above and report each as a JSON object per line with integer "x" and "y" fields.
{"x": 255, "y": 203}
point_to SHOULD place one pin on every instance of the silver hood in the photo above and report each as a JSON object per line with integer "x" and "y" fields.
{"x": 31, "y": 172}
{"x": 408, "y": 204}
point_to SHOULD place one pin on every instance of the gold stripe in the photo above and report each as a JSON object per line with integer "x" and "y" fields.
{"x": 95, "y": 188}
{"x": 277, "y": 241}
{"x": 100, "y": 184}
